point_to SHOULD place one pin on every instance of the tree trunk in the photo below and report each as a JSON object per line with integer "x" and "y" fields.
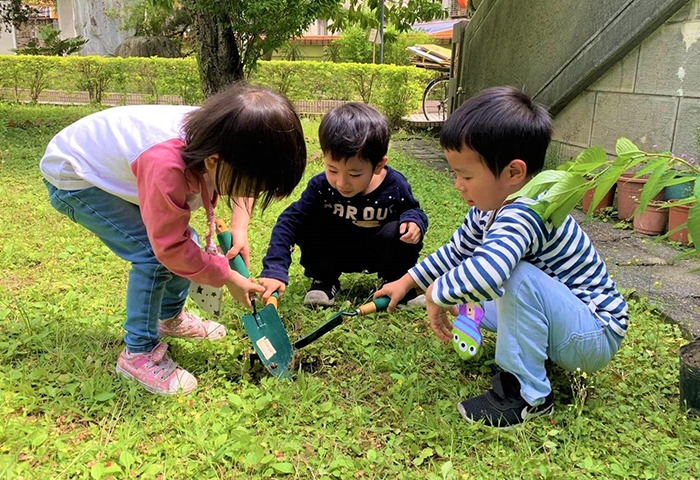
{"x": 219, "y": 58}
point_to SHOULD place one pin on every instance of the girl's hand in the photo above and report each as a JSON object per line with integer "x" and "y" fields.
{"x": 240, "y": 245}
{"x": 242, "y": 289}
{"x": 271, "y": 285}
{"x": 396, "y": 290}
{"x": 439, "y": 322}
{"x": 410, "y": 233}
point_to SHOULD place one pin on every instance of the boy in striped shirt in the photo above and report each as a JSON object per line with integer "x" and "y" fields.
{"x": 544, "y": 289}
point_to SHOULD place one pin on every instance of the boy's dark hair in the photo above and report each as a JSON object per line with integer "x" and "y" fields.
{"x": 258, "y": 137}
{"x": 354, "y": 129}
{"x": 500, "y": 124}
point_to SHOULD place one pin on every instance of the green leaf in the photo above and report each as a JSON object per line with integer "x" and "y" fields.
{"x": 446, "y": 469}
{"x": 654, "y": 185}
{"x": 126, "y": 458}
{"x": 283, "y": 467}
{"x": 625, "y": 147}
{"x": 589, "y": 160}
{"x": 563, "y": 197}
{"x": 653, "y": 164}
{"x": 220, "y": 440}
{"x": 694, "y": 224}
{"x": 97, "y": 471}
{"x": 38, "y": 438}
{"x": 104, "y": 396}
{"x": 541, "y": 182}
{"x": 372, "y": 455}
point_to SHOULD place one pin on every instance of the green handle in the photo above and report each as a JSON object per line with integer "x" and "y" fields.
{"x": 236, "y": 263}
{"x": 382, "y": 303}
{"x": 377, "y": 305}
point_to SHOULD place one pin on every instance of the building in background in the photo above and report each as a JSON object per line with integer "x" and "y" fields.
{"x": 18, "y": 38}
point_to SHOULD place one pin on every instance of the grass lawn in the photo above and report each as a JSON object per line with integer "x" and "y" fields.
{"x": 374, "y": 399}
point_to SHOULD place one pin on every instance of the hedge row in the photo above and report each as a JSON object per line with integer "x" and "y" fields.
{"x": 395, "y": 90}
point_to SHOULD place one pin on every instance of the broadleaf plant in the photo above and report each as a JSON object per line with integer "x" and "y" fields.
{"x": 558, "y": 191}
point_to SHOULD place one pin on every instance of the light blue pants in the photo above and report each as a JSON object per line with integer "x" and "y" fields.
{"x": 538, "y": 318}
{"x": 153, "y": 292}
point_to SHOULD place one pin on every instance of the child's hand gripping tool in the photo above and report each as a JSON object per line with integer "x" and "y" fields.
{"x": 264, "y": 327}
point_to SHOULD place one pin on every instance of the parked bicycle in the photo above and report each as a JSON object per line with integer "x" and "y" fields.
{"x": 435, "y": 97}
{"x": 436, "y": 93}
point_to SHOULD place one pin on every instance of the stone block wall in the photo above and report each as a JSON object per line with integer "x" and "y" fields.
{"x": 651, "y": 96}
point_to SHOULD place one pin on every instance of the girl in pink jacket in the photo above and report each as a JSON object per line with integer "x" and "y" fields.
{"x": 133, "y": 175}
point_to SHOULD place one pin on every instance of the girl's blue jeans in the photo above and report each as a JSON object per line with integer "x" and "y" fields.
{"x": 538, "y": 318}
{"x": 153, "y": 293}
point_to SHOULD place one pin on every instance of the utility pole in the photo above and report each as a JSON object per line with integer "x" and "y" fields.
{"x": 381, "y": 31}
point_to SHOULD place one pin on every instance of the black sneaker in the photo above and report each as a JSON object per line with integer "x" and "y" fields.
{"x": 502, "y": 406}
{"x": 321, "y": 293}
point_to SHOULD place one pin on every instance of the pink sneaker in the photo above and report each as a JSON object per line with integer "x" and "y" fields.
{"x": 156, "y": 371}
{"x": 189, "y": 325}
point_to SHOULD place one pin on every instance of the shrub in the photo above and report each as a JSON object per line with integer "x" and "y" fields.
{"x": 353, "y": 46}
{"x": 394, "y": 89}
{"x": 399, "y": 95}
{"x": 94, "y": 75}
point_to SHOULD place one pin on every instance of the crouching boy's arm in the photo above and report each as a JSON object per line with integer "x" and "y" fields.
{"x": 439, "y": 321}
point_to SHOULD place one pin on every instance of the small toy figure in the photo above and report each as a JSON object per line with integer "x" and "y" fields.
{"x": 466, "y": 335}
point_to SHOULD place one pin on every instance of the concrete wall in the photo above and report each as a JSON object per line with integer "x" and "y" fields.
{"x": 651, "y": 95}
{"x": 7, "y": 40}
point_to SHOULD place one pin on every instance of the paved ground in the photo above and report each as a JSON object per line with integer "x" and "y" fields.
{"x": 635, "y": 261}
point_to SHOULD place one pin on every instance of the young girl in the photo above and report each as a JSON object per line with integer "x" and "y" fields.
{"x": 133, "y": 175}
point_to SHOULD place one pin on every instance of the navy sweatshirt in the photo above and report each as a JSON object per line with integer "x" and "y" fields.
{"x": 391, "y": 201}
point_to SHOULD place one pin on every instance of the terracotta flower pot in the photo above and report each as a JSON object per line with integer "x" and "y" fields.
{"x": 651, "y": 221}
{"x": 628, "y": 192}
{"x": 605, "y": 202}
{"x": 677, "y": 216}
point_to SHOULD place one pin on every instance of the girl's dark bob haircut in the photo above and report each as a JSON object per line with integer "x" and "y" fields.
{"x": 258, "y": 138}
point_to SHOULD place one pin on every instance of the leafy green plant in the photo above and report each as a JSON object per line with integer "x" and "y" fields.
{"x": 49, "y": 42}
{"x": 559, "y": 191}
{"x": 353, "y": 46}
{"x": 291, "y": 51}
{"x": 35, "y": 75}
{"x": 331, "y": 52}
{"x": 95, "y": 74}
{"x": 398, "y": 97}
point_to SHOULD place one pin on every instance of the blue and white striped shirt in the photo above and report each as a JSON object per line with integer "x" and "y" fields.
{"x": 479, "y": 258}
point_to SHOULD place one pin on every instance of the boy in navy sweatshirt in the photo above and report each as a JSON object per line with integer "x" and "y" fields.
{"x": 358, "y": 215}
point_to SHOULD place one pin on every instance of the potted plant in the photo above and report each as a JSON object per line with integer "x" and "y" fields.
{"x": 677, "y": 221}
{"x": 605, "y": 202}
{"x": 558, "y": 191}
{"x": 681, "y": 198}
{"x": 652, "y": 220}
{"x": 630, "y": 189}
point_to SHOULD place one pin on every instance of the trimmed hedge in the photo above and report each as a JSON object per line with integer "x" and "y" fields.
{"x": 394, "y": 90}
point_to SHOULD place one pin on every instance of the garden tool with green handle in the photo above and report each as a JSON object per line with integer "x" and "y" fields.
{"x": 377, "y": 305}
{"x": 264, "y": 327}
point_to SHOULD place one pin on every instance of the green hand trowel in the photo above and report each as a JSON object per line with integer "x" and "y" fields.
{"x": 264, "y": 327}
